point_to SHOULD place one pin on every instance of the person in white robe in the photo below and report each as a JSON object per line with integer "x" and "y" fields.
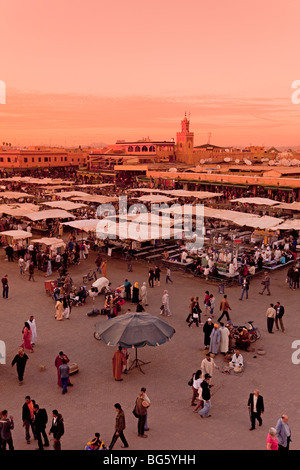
{"x": 237, "y": 360}
{"x": 144, "y": 297}
{"x": 32, "y": 325}
{"x": 224, "y": 339}
{"x": 208, "y": 366}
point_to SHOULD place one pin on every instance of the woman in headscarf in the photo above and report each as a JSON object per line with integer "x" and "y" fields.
{"x": 135, "y": 293}
{"x": 27, "y": 337}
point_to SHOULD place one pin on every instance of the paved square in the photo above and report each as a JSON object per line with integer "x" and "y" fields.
{"x": 88, "y": 406}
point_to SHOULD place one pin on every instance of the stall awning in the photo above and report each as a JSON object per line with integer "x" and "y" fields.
{"x": 16, "y": 234}
{"x": 49, "y": 214}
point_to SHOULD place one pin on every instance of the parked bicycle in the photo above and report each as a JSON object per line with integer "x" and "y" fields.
{"x": 90, "y": 276}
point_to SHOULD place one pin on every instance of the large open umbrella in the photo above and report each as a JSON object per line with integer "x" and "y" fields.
{"x": 134, "y": 330}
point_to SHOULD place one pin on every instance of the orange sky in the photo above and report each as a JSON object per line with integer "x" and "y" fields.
{"x": 92, "y": 71}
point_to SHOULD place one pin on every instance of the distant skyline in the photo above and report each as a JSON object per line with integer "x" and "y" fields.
{"x": 81, "y": 72}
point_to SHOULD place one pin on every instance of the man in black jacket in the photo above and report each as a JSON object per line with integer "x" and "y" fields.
{"x": 28, "y": 417}
{"x": 206, "y": 397}
{"x": 279, "y": 314}
{"x": 256, "y": 408}
{"x": 57, "y": 429}
{"x": 40, "y": 421}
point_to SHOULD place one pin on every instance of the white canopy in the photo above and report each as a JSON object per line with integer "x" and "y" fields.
{"x": 14, "y": 195}
{"x": 66, "y": 205}
{"x": 236, "y": 217}
{"x": 196, "y": 194}
{"x": 68, "y": 194}
{"x": 19, "y": 209}
{"x": 294, "y": 206}
{"x": 291, "y": 224}
{"x": 87, "y": 225}
{"x": 49, "y": 241}
{"x": 134, "y": 231}
{"x": 49, "y": 214}
{"x": 97, "y": 198}
{"x": 255, "y": 200}
{"x": 16, "y": 234}
{"x": 154, "y": 198}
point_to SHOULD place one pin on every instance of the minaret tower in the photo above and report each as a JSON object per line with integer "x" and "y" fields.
{"x": 185, "y": 142}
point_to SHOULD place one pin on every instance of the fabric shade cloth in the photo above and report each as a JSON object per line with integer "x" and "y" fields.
{"x": 16, "y": 234}
{"x": 49, "y": 214}
{"x": 134, "y": 330}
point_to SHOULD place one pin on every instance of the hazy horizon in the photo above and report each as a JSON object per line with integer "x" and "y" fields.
{"x": 79, "y": 73}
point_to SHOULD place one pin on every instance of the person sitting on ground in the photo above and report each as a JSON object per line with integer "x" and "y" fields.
{"x": 237, "y": 360}
{"x": 96, "y": 443}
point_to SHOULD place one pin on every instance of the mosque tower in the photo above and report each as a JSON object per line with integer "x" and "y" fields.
{"x": 185, "y": 142}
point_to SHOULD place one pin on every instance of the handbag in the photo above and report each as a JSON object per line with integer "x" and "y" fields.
{"x": 134, "y": 411}
{"x": 190, "y": 382}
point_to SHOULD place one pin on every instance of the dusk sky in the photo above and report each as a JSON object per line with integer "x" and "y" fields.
{"x": 78, "y": 72}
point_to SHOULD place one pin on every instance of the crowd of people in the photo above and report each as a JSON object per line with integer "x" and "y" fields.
{"x": 219, "y": 336}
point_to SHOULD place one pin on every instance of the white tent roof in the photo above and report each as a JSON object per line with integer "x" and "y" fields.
{"x": 294, "y": 206}
{"x": 49, "y": 214}
{"x": 291, "y": 224}
{"x": 16, "y": 234}
{"x": 87, "y": 225}
{"x": 196, "y": 194}
{"x": 14, "y": 195}
{"x": 66, "y": 205}
{"x": 49, "y": 241}
{"x": 134, "y": 231}
{"x": 154, "y": 198}
{"x": 97, "y": 198}
{"x": 18, "y": 209}
{"x": 255, "y": 200}
{"x": 239, "y": 218}
{"x": 68, "y": 194}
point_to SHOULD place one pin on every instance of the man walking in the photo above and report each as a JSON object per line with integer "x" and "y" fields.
{"x": 271, "y": 314}
{"x": 28, "y": 417}
{"x": 119, "y": 427}
{"x": 224, "y": 307}
{"x": 64, "y": 375}
{"x": 4, "y": 281}
{"x": 6, "y": 425}
{"x": 245, "y": 288}
{"x": 278, "y": 318}
{"x": 57, "y": 429}
{"x": 266, "y": 284}
{"x": 31, "y": 271}
{"x": 256, "y": 408}
{"x": 20, "y": 359}
{"x": 40, "y": 421}
{"x": 205, "y": 397}
{"x": 168, "y": 276}
{"x": 127, "y": 287}
{"x": 283, "y": 433}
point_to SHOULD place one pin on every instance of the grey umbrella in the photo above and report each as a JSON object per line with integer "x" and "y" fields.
{"x": 134, "y": 330}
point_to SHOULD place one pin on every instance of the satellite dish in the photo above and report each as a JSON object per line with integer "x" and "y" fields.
{"x": 173, "y": 170}
{"x": 227, "y": 159}
{"x": 237, "y": 160}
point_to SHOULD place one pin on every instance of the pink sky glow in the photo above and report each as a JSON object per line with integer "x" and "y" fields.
{"x": 79, "y": 71}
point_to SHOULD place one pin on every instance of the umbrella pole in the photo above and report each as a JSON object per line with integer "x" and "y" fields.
{"x": 137, "y": 363}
